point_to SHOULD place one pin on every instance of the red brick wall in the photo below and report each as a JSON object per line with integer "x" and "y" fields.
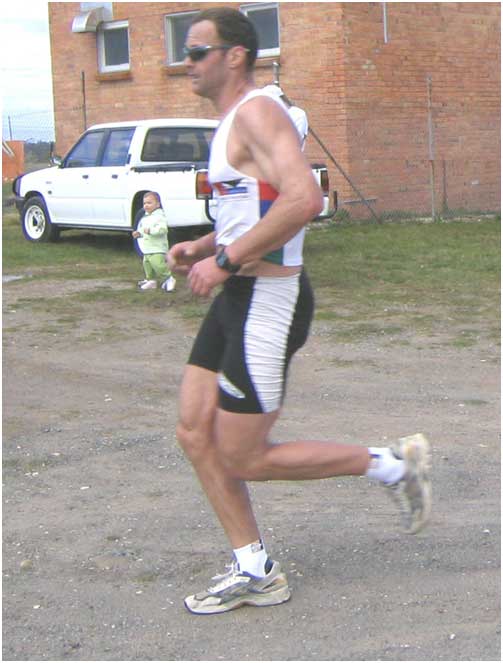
{"x": 458, "y": 45}
{"x": 367, "y": 100}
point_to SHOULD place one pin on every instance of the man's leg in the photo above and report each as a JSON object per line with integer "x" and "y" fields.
{"x": 227, "y": 494}
{"x": 247, "y": 453}
{"x": 404, "y": 468}
{"x": 230, "y": 500}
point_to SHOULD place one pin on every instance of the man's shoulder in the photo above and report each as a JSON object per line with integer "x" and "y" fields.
{"x": 259, "y": 110}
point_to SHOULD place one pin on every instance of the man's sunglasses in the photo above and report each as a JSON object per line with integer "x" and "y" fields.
{"x": 198, "y": 53}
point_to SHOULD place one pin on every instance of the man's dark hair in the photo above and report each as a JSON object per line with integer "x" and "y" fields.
{"x": 234, "y": 29}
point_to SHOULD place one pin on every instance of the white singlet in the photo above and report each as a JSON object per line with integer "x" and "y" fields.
{"x": 243, "y": 200}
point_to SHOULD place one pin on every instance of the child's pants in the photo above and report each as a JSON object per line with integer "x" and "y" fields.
{"x": 155, "y": 267}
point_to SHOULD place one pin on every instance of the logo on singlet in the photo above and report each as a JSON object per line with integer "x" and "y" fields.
{"x": 231, "y": 188}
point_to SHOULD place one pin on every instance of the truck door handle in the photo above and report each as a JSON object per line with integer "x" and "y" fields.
{"x": 85, "y": 177}
{"x": 114, "y": 177}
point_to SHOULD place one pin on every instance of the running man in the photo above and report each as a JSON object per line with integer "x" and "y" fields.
{"x": 233, "y": 385}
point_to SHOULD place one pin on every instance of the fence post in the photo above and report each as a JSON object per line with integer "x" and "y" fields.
{"x": 431, "y": 149}
{"x": 84, "y": 110}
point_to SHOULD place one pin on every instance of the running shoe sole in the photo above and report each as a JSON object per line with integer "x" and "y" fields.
{"x": 274, "y": 594}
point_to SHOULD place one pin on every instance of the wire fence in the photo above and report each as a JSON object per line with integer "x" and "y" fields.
{"x": 32, "y": 127}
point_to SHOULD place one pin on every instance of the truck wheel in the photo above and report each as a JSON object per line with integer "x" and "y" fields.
{"x": 36, "y": 222}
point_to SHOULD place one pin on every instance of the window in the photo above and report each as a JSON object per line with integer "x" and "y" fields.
{"x": 177, "y": 144}
{"x": 265, "y": 18}
{"x": 113, "y": 47}
{"x": 85, "y": 154}
{"x": 177, "y": 26}
{"x": 117, "y": 147}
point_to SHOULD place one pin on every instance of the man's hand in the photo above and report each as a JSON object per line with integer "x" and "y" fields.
{"x": 181, "y": 257}
{"x": 205, "y": 275}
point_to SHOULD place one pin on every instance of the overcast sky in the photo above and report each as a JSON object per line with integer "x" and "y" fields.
{"x": 25, "y": 59}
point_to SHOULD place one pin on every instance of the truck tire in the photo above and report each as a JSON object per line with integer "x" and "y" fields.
{"x": 36, "y": 222}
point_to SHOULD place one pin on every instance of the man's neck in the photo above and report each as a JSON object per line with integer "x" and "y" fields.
{"x": 231, "y": 94}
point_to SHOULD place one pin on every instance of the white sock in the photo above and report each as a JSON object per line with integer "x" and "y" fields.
{"x": 252, "y": 559}
{"x": 384, "y": 466}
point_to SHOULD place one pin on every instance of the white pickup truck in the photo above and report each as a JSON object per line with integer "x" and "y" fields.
{"x": 100, "y": 183}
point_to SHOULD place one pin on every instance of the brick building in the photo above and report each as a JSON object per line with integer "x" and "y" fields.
{"x": 406, "y": 96}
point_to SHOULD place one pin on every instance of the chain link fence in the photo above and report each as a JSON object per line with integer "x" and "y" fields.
{"x": 32, "y": 127}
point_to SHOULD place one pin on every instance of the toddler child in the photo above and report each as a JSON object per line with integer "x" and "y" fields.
{"x": 152, "y": 236}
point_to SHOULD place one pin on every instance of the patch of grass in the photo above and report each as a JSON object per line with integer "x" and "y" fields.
{"x": 77, "y": 254}
{"x": 147, "y": 577}
{"x": 369, "y": 280}
{"x": 363, "y": 330}
{"x": 404, "y": 271}
{"x": 466, "y": 338}
{"x": 29, "y": 465}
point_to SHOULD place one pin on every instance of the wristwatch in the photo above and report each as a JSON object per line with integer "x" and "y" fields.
{"x": 224, "y": 263}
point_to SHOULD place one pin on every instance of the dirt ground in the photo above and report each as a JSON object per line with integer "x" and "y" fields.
{"x": 105, "y": 529}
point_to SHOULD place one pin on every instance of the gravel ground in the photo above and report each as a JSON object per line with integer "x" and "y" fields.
{"x": 105, "y": 528}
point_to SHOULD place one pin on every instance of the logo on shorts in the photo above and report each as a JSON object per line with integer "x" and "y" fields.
{"x": 228, "y": 387}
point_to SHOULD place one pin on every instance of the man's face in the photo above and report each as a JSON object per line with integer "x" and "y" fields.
{"x": 209, "y": 74}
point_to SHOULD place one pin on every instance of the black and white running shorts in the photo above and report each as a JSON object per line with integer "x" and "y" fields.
{"x": 249, "y": 335}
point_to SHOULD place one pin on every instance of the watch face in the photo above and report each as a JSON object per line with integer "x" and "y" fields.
{"x": 222, "y": 260}
{"x": 224, "y": 263}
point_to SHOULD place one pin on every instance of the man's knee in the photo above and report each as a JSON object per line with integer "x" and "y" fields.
{"x": 194, "y": 438}
{"x": 195, "y": 428}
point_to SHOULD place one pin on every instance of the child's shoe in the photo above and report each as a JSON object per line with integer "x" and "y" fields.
{"x": 169, "y": 284}
{"x": 149, "y": 285}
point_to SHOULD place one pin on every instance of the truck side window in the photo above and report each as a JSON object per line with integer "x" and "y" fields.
{"x": 86, "y": 152}
{"x": 117, "y": 147}
{"x": 172, "y": 144}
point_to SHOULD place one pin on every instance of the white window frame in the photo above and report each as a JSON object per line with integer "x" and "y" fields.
{"x": 247, "y": 9}
{"x": 169, "y": 35}
{"x": 104, "y": 27}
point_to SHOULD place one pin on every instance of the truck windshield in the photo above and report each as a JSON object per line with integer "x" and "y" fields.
{"x": 168, "y": 144}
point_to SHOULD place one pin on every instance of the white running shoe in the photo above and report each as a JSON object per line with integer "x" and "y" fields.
{"x": 235, "y": 588}
{"x": 142, "y": 282}
{"x": 413, "y": 492}
{"x": 149, "y": 285}
{"x": 169, "y": 284}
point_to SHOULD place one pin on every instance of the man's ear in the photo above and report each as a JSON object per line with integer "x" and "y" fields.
{"x": 236, "y": 56}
